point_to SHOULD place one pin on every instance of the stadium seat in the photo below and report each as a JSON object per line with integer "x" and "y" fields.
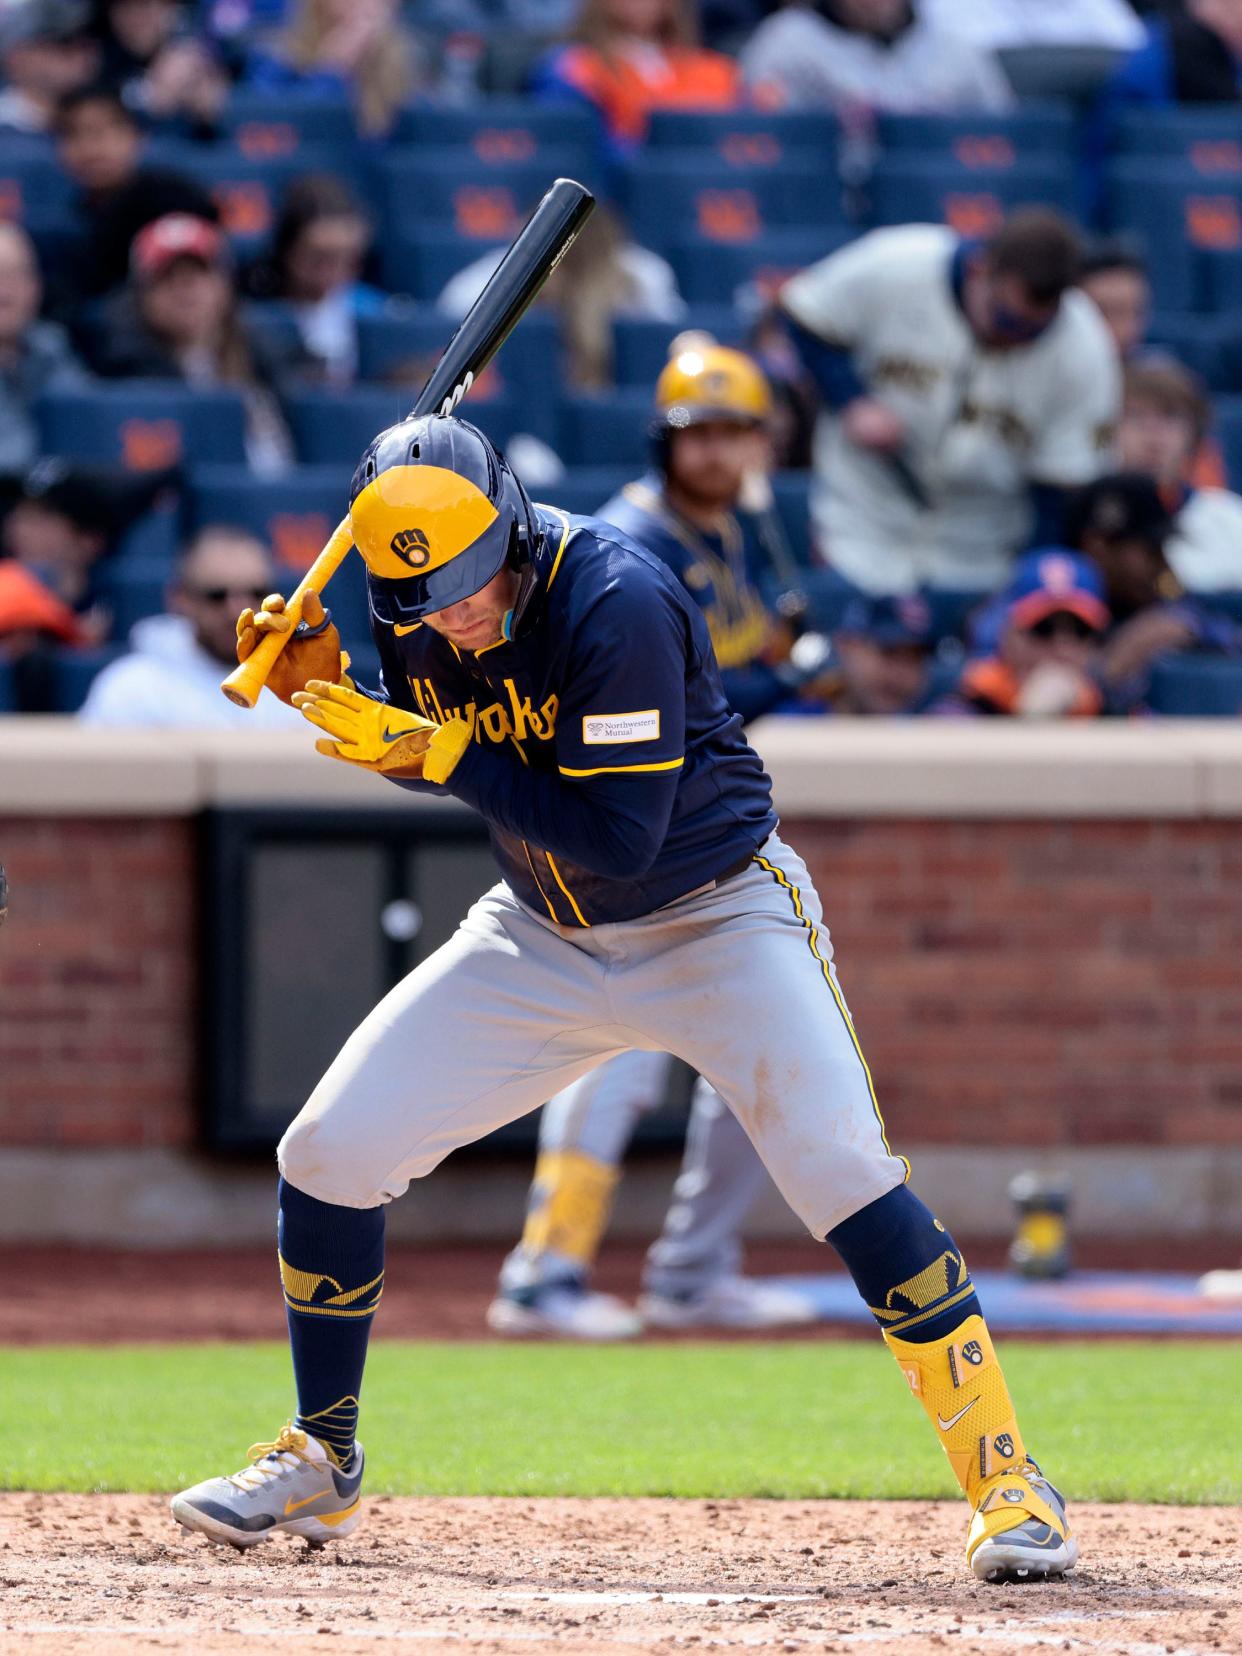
{"x": 248, "y": 190}
{"x": 668, "y": 197}
{"x": 1205, "y": 344}
{"x": 1227, "y": 421}
{"x": 333, "y": 427}
{"x": 485, "y": 202}
{"x": 271, "y": 125}
{"x": 422, "y": 264}
{"x": 8, "y": 690}
{"x": 1207, "y": 136}
{"x": 992, "y": 142}
{"x": 1179, "y": 216}
{"x": 131, "y": 588}
{"x": 1197, "y": 687}
{"x": 1220, "y": 279}
{"x": 972, "y": 199}
{"x": 502, "y": 130}
{"x": 585, "y": 489}
{"x": 74, "y": 671}
{"x": 951, "y": 611}
{"x": 791, "y": 491}
{"x": 640, "y": 348}
{"x": 744, "y": 138}
{"x": 827, "y": 595}
{"x": 144, "y": 424}
{"x": 715, "y": 273}
{"x": 606, "y": 428}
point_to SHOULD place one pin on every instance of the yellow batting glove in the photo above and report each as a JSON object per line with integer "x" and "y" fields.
{"x": 378, "y": 736}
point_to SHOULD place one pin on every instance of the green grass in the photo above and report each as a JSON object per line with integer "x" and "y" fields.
{"x": 1111, "y": 1421}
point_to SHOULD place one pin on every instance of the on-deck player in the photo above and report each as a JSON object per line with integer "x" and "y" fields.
{"x": 551, "y": 674}
{"x": 708, "y": 444}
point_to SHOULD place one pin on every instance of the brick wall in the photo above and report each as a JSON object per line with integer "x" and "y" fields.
{"x": 96, "y": 982}
{"x": 1012, "y": 983}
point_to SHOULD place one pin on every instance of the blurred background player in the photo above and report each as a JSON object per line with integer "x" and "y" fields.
{"x": 967, "y": 386}
{"x": 708, "y": 441}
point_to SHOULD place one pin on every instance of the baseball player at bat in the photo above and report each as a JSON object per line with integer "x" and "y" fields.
{"x": 551, "y": 674}
{"x": 707, "y": 439}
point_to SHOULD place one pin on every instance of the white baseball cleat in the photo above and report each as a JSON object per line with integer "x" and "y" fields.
{"x": 290, "y": 1485}
{"x": 732, "y": 1302}
{"x": 562, "y": 1311}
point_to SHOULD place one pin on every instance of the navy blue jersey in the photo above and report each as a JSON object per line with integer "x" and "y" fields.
{"x": 721, "y": 573}
{"x": 608, "y": 766}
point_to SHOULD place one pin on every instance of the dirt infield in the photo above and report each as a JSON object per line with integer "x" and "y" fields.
{"x": 108, "y": 1573}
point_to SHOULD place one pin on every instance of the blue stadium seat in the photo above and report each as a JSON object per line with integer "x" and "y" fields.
{"x": 501, "y": 130}
{"x": 1220, "y": 279}
{"x": 8, "y": 690}
{"x": 333, "y": 427}
{"x": 827, "y": 594}
{"x": 1180, "y": 217}
{"x": 791, "y": 492}
{"x": 74, "y": 671}
{"x": 972, "y": 199}
{"x": 744, "y": 138}
{"x": 1227, "y": 422}
{"x": 132, "y": 588}
{"x": 485, "y": 202}
{"x": 711, "y": 273}
{"x": 951, "y": 611}
{"x": 640, "y": 348}
{"x": 668, "y": 197}
{"x": 155, "y": 536}
{"x": 585, "y": 489}
{"x": 248, "y": 190}
{"x": 144, "y": 424}
{"x": 1197, "y": 687}
{"x": 270, "y": 125}
{"x": 1205, "y": 344}
{"x": 1208, "y": 136}
{"x": 606, "y": 428}
{"x": 32, "y": 181}
{"x": 424, "y": 262}
{"x": 987, "y": 141}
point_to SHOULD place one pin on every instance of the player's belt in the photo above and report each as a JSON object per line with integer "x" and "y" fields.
{"x": 730, "y": 873}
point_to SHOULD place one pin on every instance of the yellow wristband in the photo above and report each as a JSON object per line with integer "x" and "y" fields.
{"x": 445, "y": 749}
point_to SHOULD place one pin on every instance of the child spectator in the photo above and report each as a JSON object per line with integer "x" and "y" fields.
{"x": 34, "y": 356}
{"x": 627, "y": 58}
{"x": 1121, "y": 523}
{"x": 45, "y": 52}
{"x": 357, "y": 49}
{"x": 157, "y": 66}
{"x": 179, "y": 319}
{"x": 1051, "y": 620}
{"x": 315, "y": 267}
{"x": 1163, "y": 425}
{"x": 880, "y": 56}
{"x": 172, "y": 675}
{"x": 100, "y": 147}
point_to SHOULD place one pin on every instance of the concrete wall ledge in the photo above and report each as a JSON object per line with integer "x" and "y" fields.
{"x": 820, "y": 768}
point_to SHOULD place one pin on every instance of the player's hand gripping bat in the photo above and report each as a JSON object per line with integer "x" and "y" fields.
{"x": 536, "y": 251}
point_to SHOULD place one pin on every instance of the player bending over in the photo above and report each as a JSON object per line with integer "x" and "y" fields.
{"x": 554, "y": 676}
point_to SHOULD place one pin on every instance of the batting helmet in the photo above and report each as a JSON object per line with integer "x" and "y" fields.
{"x": 436, "y": 512}
{"x": 707, "y": 381}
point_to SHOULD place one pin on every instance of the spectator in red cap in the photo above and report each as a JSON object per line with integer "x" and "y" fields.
{"x": 179, "y": 319}
{"x": 1052, "y": 619}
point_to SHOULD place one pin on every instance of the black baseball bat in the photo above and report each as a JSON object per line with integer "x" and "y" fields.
{"x": 537, "y": 249}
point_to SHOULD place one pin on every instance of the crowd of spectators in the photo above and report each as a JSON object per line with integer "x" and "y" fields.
{"x": 1015, "y": 497}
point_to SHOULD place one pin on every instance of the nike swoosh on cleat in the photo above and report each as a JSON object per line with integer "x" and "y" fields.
{"x": 395, "y": 737}
{"x": 292, "y": 1506}
{"x": 953, "y": 1419}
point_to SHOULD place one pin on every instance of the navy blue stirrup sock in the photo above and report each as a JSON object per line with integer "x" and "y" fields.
{"x": 332, "y": 1272}
{"x": 907, "y": 1267}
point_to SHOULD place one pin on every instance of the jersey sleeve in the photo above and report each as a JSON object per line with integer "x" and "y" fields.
{"x": 833, "y": 299}
{"x": 620, "y": 741}
{"x": 1076, "y": 441}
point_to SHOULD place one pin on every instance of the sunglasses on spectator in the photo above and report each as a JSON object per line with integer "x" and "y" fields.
{"x": 1061, "y": 624}
{"x": 221, "y": 594}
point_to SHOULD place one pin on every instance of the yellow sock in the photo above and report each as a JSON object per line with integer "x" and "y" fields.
{"x": 570, "y": 1201}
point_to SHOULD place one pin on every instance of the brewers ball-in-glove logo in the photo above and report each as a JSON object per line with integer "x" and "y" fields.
{"x": 412, "y": 547}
